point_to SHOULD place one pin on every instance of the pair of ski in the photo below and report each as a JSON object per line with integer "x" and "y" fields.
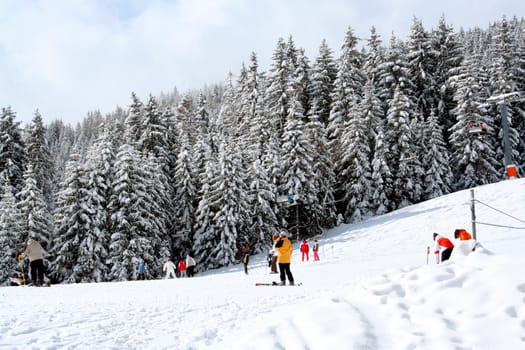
{"x": 275, "y": 284}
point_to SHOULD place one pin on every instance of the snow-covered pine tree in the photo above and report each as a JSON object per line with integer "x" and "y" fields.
{"x": 502, "y": 80}
{"x": 71, "y": 218}
{"x": 297, "y": 168}
{"x": 39, "y": 156}
{"x": 12, "y": 238}
{"x": 402, "y": 158}
{"x": 322, "y": 167}
{"x": 12, "y": 150}
{"x": 36, "y": 219}
{"x": 323, "y": 74}
{"x": 473, "y": 157}
{"x": 449, "y": 53}
{"x": 138, "y": 214}
{"x": 185, "y": 195}
{"x": 436, "y": 158}
{"x": 422, "y": 61}
{"x": 348, "y": 87}
{"x": 133, "y": 120}
{"x": 354, "y": 165}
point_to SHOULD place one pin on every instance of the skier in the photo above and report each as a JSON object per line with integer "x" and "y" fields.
{"x": 141, "y": 271}
{"x": 316, "y": 250}
{"x": 462, "y": 234}
{"x": 284, "y": 249}
{"x": 190, "y": 265}
{"x": 35, "y": 253}
{"x": 443, "y": 246}
{"x": 169, "y": 268}
{"x": 305, "y": 249}
{"x": 182, "y": 268}
{"x": 245, "y": 258}
{"x": 273, "y": 261}
{"x": 14, "y": 281}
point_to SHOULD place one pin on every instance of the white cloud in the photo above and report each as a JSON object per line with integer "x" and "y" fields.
{"x": 69, "y": 57}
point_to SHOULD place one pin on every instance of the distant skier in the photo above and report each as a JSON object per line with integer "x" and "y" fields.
{"x": 35, "y": 253}
{"x": 181, "y": 266}
{"x": 315, "y": 249}
{"x": 305, "y": 250}
{"x": 169, "y": 268}
{"x": 443, "y": 246}
{"x": 141, "y": 271}
{"x": 190, "y": 266}
{"x": 284, "y": 249}
{"x": 245, "y": 258}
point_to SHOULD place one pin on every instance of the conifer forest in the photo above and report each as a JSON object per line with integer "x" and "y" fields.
{"x": 373, "y": 126}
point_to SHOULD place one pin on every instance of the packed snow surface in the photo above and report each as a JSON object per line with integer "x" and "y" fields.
{"x": 375, "y": 287}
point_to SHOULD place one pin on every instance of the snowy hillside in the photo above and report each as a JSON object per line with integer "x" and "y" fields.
{"x": 372, "y": 289}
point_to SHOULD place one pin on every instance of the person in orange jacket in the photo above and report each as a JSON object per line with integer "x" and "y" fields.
{"x": 443, "y": 246}
{"x": 284, "y": 250}
{"x": 462, "y": 234}
{"x": 305, "y": 250}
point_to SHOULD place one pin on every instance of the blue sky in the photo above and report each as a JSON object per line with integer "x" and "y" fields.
{"x": 68, "y": 57}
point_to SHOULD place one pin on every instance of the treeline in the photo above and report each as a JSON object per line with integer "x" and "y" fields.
{"x": 304, "y": 146}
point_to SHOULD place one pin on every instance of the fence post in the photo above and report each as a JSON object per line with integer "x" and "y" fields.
{"x": 473, "y": 213}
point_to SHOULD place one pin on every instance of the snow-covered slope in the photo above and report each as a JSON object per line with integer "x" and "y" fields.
{"x": 372, "y": 289}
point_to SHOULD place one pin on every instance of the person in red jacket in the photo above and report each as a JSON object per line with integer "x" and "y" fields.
{"x": 182, "y": 268}
{"x": 305, "y": 249}
{"x": 443, "y": 246}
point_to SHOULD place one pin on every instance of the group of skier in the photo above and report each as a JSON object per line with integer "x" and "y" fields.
{"x": 444, "y": 246}
{"x": 185, "y": 267}
{"x": 35, "y": 254}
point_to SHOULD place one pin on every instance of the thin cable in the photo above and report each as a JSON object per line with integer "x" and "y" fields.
{"x": 515, "y": 218}
{"x": 485, "y": 223}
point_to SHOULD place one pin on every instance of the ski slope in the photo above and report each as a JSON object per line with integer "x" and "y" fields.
{"x": 372, "y": 289}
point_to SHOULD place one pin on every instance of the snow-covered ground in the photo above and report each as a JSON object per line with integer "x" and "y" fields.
{"x": 372, "y": 289}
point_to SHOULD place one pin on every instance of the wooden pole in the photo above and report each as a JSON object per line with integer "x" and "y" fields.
{"x": 473, "y": 213}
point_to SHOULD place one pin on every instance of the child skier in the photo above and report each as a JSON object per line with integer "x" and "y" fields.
{"x": 169, "y": 268}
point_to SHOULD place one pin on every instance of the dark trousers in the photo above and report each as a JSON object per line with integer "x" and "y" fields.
{"x": 37, "y": 271}
{"x": 445, "y": 255}
{"x": 191, "y": 271}
{"x": 284, "y": 268}
{"x": 273, "y": 264}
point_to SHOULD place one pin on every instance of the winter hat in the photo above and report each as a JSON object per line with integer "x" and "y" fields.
{"x": 435, "y": 235}
{"x": 283, "y": 234}
{"x": 275, "y": 237}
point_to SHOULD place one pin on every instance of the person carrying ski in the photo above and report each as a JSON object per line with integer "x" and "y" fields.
{"x": 141, "y": 271}
{"x": 443, "y": 246}
{"x": 315, "y": 249}
{"x": 35, "y": 253}
{"x": 182, "y": 268}
{"x": 284, "y": 250}
{"x": 190, "y": 266}
{"x": 169, "y": 268}
{"x": 462, "y": 234}
{"x": 245, "y": 258}
{"x": 305, "y": 249}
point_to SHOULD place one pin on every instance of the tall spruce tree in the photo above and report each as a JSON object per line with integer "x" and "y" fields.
{"x": 12, "y": 238}
{"x": 12, "y": 150}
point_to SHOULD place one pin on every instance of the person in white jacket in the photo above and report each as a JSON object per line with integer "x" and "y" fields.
{"x": 169, "y": 268}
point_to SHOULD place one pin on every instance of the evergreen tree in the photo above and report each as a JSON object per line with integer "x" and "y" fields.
{"x": 438, "y": 174}
{"x": 12, "y": 150}
{"x": 12, "y": 238}
{"x": 71, "y": 217}
{"x": 323, "y": 75}
{"x": 36, "y": 221}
